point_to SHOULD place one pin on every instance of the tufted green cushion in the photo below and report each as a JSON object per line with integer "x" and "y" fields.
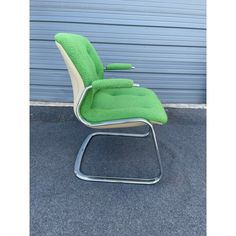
{"x": 83, "y": 55}
{"x": 122, "y": 103}
{"x": 111, "y": 99}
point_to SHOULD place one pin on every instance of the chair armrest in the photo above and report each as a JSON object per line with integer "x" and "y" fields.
{"x": 119, "y": 66}
{"x": 112, "y": 83}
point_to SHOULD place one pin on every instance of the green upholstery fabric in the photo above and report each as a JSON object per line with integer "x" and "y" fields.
{"x": 112, "y": 83}
{"x": 83, "y": 55}
{"x": 111, "y": 99}
{"x": 119, "y": 66}
{"x": 122, "y": 103}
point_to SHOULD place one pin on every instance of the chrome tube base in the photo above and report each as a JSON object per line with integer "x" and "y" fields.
{"x": 78, "y": 162}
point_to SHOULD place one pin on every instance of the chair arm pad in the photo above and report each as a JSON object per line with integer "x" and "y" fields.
{"x": 119, "y": 66}
{"x": 112, "y": 83}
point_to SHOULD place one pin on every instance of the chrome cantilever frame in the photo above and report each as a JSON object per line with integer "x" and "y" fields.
{"x": 80, "y": 155}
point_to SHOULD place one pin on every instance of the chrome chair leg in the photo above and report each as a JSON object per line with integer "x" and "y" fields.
{"x": 80, "y": 155}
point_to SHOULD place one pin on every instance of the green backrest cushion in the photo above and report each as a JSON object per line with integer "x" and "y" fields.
{"x": 83, "y": 55}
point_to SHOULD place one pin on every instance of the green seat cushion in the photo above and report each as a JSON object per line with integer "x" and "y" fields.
{"x": 122, "y": 103}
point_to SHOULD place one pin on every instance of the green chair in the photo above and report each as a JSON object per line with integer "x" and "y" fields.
{"x": 107, "y": 103}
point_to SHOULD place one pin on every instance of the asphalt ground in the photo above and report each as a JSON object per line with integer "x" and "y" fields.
{"x": 62, "y": 204}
